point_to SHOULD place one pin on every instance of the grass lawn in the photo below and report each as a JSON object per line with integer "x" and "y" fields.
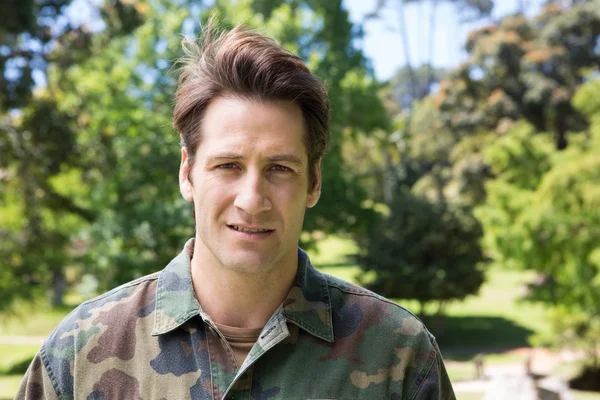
{"x": 460, "y": 371}
{"x": 9, "y": 384}
{"x": 332, "y": 251}
{"x": 33, "y": 320}
{"x": 15, "y": 353}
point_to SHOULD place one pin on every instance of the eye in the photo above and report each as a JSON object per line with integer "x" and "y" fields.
{"x": 280, "y": 168}
{"x": 227, "y": 166}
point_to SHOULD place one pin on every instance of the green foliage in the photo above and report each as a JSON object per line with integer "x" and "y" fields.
{"x": 542, "y": 213}
{"x": 21, "y": 32}
{"x": 524, "y": 69}
{"x": 425, "y": 247}
{"x": 40, "y": 150}
{"x": 425, "y": 251}
{"x": 126, "y": 104}
{"x": 538, "y": 206}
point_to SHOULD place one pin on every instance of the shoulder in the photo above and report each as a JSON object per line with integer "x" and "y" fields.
{"x": 396, "y": 339}
{"x": 137, "y": 291}
{"x": 111, "y": 316}
{"x": 397, "y": 317}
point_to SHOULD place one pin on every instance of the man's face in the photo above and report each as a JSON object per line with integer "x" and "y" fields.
{"x": 250, "y": 184}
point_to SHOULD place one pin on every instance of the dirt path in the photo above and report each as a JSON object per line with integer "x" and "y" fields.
{"x": 542, "y": 362}
{"x": 490, "y": 372}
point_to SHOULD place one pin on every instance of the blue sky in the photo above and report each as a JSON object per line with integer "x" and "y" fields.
{"x": 382, "y": 42}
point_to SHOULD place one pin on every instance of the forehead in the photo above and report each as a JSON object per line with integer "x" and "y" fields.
{"x": 249, "y": 126}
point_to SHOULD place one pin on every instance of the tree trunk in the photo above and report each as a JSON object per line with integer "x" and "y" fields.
{"x": 421, "y": 314}
{"x": 423, "y": 36}
{"x": 438, "y": 328}
{"x": 404, "y": 36}
{"x": 59, "y": 286}
{"x": 33, "y": 228}
{"x": 561, "y": 134}
{"x": 388, "y": 179}
{"x": 594, "y": 354}
{"x": 430, "y": 77}
{"x": 439, "y": 184}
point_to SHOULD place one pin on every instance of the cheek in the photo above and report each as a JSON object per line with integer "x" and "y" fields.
{"x": 212, "y": 197}
{"x": 293, "y": 205}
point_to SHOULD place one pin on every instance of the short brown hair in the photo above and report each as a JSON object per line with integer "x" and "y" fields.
{"x": 245, "y": 64}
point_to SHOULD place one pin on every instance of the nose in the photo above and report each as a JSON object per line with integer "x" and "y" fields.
{"x": 252, "y": 194}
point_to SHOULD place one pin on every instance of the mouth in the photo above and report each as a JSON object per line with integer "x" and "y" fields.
{"x": 249, "y": 230}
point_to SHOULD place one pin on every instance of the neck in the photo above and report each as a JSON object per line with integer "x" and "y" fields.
{"x": 239, "y": 298}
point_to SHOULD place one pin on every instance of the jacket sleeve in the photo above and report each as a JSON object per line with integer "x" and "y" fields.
{"x": 436, "y": 385}
{"x": 36, "y": 383}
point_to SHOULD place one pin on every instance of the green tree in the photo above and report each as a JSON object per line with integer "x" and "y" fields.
{"x": 425, "y": 251}
{"x": 40, "y": 155}
{"x": 124, "y": 97}
{"x": 427, "y": 246}
{"x": 526, "y": 69}
{"x": 542, "y": 214}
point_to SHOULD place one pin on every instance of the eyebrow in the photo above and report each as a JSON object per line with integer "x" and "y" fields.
{"x": 225, "y": 156}
{"x": 287, "y": 158}
{"x": 274, "y": 158}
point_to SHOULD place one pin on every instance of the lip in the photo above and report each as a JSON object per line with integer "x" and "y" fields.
{"x": 250, "y": 235}
{"x": 249, "y": 226}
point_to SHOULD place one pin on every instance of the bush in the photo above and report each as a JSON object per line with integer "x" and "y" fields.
{"x": 425, "y": 251}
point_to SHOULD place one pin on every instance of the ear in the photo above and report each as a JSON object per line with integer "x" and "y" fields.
{"x": 315, "y": 192}
{"x": 185, "y": 186}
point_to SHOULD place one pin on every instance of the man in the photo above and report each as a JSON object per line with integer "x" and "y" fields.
{"x": 241, "y": 313}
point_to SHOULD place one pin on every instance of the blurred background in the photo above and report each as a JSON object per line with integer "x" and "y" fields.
{"x": 463, "y": 180}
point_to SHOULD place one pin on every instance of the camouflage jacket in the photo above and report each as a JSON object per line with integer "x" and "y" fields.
{"x": 149, "y": 339}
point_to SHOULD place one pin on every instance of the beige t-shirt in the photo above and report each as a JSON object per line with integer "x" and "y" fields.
{"x": 241, "y": 340}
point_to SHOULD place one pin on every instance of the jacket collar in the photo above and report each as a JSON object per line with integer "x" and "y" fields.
{"x": 175, "y": 299}
{"x": 307, "y": 305}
